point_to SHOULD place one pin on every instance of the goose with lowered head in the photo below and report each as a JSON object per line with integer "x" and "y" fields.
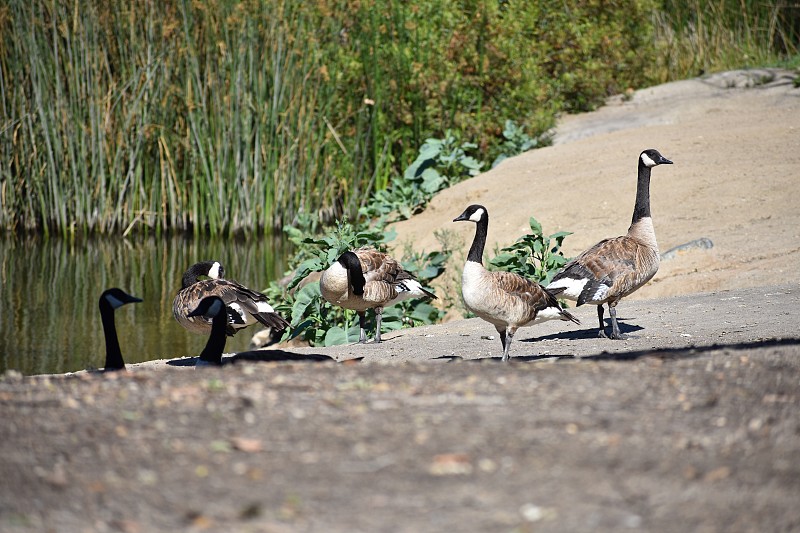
{"x": 369, "y": 279}
{"x": 245, "y": 306}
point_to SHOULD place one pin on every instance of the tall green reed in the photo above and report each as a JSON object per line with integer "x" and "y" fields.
{"x": 205, "y": 117}
{"x": 695, "y": 37}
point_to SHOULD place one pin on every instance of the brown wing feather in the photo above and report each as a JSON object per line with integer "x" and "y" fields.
{"x": 622, "y": 263}
{"x": 379, "y": 292}
{"x": 187, "y": 301}
{"x": 378, "y": 266}
{"x": 231, "y": 292}
{"x": 531, "y": 293}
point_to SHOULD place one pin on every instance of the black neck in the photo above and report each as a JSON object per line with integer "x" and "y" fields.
{"x": 212, "y": 353}
{"x": 113, "y": 353}
{"x": 357, "y": 280}
{"x": 191, "y": 276}
{"x": 479, "y": 242}
{"x": 642, "y": 207}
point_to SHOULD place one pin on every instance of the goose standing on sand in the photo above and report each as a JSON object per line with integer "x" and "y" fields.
{"x": 504, "y": 299}
{"x": 614, "y": 268}
{"x": 110, "y": 300}
{"x": 244, "y": 306}
{"x": 368, "y": 279}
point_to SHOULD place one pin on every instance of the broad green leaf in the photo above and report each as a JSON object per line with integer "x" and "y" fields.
{"x": 422, "y": 312}
{"x": 305, "y": 298}
{"x": 535, "y": 226}
{"x": 336, "y": 335}
{"x": 300, "y": 328}
{"x": 432, "y": 181}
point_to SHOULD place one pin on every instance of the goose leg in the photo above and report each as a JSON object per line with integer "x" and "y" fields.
{"x": 507, "y": 344}
{"x": 615, "y": 333}
{"x": 502, "y": 333}
{"x": 378, "y": 321}
{"x": 602, "y": 332}
{"x": 362, "y": 323}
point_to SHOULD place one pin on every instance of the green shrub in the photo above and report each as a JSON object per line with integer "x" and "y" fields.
{"x": 535, "y": 256}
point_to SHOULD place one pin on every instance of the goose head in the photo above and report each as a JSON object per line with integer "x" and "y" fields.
{"x": 211, "y": 269}
{"x": 651, "y": 158}
{"x": 473, "y": 213}
{"x": 117, "y": 298}
{"x": 210, "y": 307}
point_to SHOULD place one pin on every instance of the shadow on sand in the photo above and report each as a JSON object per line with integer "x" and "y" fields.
{"x": 683, "y": 352}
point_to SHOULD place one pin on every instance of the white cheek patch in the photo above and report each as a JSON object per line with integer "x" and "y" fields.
{"x": 477, "y": 215}
{"x": 647, "y": 161}
{"x": 337, "y": 268}
{"x": 213, "y": 273}
{"x": 115, "y": 303}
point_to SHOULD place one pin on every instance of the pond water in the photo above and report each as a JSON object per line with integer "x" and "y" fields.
{"x": 49, "y": 293}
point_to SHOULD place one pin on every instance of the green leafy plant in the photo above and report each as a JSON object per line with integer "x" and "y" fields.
{"x": 516, "y": 141}
{"x": 440, "y": 164}
{"x": 534, "y": 256}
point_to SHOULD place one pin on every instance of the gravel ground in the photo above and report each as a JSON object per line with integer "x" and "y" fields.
{"x": 691, "y": 426}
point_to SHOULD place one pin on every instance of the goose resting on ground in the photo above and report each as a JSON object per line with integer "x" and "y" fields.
{"x": 368, "y": 279}
{"x": 214, "y": 307}
{"x": 110, "y": 300}
{"x": 614, "y": 268}
{"x": 245, "y": 306}
{"x": 504, "y": 299}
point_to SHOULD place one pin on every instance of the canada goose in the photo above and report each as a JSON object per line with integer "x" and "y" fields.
{"x": 110, "y": 300}
{"x": 614, "y": 268}
{"x": 245, "y": 306}
{"x": 505, "y": 299}
{"x": 368, "y": 279}
{"x": 214, "y": 307}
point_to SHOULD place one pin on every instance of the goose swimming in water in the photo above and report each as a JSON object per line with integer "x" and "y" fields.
{"x": 245, "y": 306}
{"x": 112, "y": 299}
{"x": 614, "y": 268}
{"x": 504, "y": 299}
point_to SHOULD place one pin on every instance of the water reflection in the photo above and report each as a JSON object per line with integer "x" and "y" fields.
{"x": 49, "y": 292}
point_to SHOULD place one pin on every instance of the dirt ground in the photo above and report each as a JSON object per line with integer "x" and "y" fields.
{"x": 691, "y": 425}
